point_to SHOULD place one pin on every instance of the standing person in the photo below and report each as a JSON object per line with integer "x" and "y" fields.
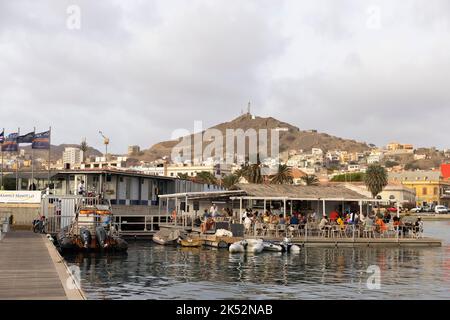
{"x": 213, "y": 210}
{"x": 81, "y": 188}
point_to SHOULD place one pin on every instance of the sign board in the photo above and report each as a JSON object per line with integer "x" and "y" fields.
{"x": 20, "y": 196}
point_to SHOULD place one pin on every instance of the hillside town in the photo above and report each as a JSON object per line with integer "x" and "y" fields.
{"x": 417, "y": 177}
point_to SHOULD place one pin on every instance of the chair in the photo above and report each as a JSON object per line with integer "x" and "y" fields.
{"x": 337, "y": 232}
{"x": 293, "y": 230}
{"x": 280, "y": 228}
{"x": 369, "y": 231}
{"x": 323, "y": 232}
{"x": 258, "y": 229}
{"x": 271, "y": 229}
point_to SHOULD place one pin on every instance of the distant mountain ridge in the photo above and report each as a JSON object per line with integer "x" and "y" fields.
{"x": 291, "y": 139}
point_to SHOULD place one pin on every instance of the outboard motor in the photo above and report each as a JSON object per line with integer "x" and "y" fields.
{"x": 101, "y": 236}
{"x": 85, "y": 237}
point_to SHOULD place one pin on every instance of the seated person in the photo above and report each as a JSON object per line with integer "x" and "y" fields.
{"x": 266, "y": 218}
{"x": 381, "y": 225}
{"x": 274, "y": 219}
{"x": 294, "y": 220}
{"x": 281, "y": 219}
{"x": 386, "y": 217}
{"x": 323, "y": 223}
{"x": 418, "y": 225}
{"x": 247, "y": 223}
{"x": 207, "y": 225}
{"x": 340, "y": 222}
{"x": 334, "y": 215}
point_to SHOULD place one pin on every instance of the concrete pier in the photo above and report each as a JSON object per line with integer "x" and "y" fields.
{"x": 31, "y": 268}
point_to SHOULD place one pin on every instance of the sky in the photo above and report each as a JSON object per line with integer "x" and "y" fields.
{"x": 373, "y": 71}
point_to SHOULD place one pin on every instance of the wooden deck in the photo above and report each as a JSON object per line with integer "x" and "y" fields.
{"x": 31, "y": 268}
{"x": 357, "y": 242}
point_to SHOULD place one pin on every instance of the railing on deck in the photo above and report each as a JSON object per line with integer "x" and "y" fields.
{"x": 135, "y": 225}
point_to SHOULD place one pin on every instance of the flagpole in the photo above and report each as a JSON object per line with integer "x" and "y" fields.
{"x": 3, "y": 164}
{"x": 49, "y": 147}
{"x": 32, "y": 161}
{"x": 17, "y": 160}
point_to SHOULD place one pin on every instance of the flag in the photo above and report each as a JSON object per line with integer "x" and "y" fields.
{"x": 41, "y": 140}
{"x": 10, "y": 143}
{"x": 26, "y": 138}
{"x": 2, "y": 137}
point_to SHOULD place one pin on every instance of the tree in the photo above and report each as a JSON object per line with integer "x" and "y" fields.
{"x": 375, "y": 179}
{"x": 230, "y": 181}
{"x": 310, "y": 180}
{"x": 283, "y": 176}
{"x": 206, "y": 177}
{"x": 254, "y": 173}
{"x": 251, "y": 172}
{"x": 183, "y": 176}
{"x": 84, "y": 147}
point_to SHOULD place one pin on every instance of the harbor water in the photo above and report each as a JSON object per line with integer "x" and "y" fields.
{"x": 151, "y": 271}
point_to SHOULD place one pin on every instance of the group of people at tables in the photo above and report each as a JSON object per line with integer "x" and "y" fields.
{"x": 376, "y": 222}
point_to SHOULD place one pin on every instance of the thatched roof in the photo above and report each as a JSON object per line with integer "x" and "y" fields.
{"x": 299, "y": 191}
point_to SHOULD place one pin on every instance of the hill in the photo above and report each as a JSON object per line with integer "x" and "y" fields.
{"x": 291, "y": 139}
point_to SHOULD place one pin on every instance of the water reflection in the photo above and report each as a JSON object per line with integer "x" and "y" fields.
{"x": 156, "y": 272}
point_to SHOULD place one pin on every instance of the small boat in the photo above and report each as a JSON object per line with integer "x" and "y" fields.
{"x": 92, "y": 228}
{"x": 189, "y": 242}
{"x": 238, "y": 247}
{"x": 166, "y": 237}
{"x": 254, "y": 245}
{"x": 288, "y": 246}
{"x": 273, "y": 247}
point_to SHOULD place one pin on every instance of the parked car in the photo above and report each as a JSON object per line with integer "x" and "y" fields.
{"x": 416, "y": 209}
{"x": 441, "y": 209}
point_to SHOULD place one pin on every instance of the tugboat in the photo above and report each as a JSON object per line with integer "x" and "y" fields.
{"x": 91, "y": 230}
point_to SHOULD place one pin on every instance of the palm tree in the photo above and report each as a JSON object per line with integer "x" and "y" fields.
{"x": 254, "y": 173}
{"x": 84, "y": 147}
{"x": 230, "y": 181}
{"x": 283, "y": 176}
{"x": 183, "y": 176}
{"x": 310, "y": 180}
{"x": 206, "y": 177}
{"x": 376, "y": 179}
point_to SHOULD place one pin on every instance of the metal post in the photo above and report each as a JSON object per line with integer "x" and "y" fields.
{"x": 240, "y": 210}
{"x": 32, "y": 160}
{"x": 398, "y": 209}
{"x": 284, "y": 209}
{"x": 176, "y": 210}
{"x": 49, "y": 148}
{"x": 360, "y": 208}
{"x": 323, "y": 208}
{"x": 17, "y": 161}
{"x": 265, "y": 202}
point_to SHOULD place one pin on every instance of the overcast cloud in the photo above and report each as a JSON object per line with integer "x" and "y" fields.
{"x": 137, "y": 70}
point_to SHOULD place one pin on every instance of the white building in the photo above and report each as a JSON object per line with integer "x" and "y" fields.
{"x": 353, "y": 168}
{"x": 72, "y": 157}
{"x": 375, "y": 157}
{"x": 192, "y": 170}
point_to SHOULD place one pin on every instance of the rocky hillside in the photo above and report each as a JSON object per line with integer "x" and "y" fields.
{"x": 292, "y": 138}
